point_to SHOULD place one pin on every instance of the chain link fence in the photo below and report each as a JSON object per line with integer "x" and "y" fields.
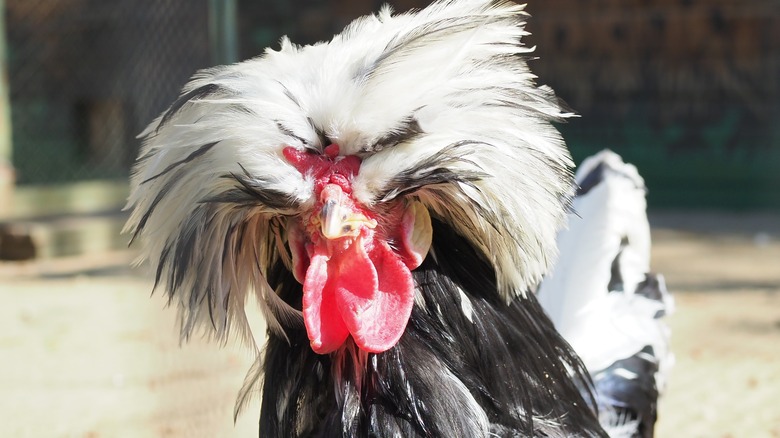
{"x": 688, "y": 90}
{"x": 87, "y": 75}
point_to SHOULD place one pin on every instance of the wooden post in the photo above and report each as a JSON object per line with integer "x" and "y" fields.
{"x": 223, "y": 31}
{"x": 6, "y": 150}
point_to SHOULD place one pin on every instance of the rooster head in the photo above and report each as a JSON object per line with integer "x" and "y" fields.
{"x": 354, "y": 262}
{"x": 330, "y": 162}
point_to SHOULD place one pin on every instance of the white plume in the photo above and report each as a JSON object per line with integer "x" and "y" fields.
{"x": 414, "y": 95}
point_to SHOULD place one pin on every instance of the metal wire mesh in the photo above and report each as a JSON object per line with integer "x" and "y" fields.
{"x": 87, "y": 75}
{"x": 686, "y": 89}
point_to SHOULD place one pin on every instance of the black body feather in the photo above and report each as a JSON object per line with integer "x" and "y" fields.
{"x": 630, "y": 399}
{"x": 505, "y": 364}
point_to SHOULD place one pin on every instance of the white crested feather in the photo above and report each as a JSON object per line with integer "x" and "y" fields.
{"x": 450, "y": 80}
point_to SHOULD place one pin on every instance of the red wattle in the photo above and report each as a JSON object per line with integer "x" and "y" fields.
{"x": 324, "y": 326}
{"x": 367, "y": 293}
{"x": 377, "y": 322}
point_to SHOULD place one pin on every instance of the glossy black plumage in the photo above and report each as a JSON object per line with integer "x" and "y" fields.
{"x": 509, "y": 358}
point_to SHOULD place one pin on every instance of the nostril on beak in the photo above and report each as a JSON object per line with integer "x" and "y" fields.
{"x": 338, "y": 216}
{"x": 327, "y": 208}
{"x": 332, "y": 220}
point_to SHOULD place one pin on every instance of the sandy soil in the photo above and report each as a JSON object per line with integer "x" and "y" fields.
{"x": 725, "y": 333}
{"x": 94, "y": 356}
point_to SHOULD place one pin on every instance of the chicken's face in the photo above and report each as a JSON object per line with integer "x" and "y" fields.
{"x": 434, "y": 113}
{"x": 354, "y": 262}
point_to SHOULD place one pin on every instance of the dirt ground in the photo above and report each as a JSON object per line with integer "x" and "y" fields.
{"x": 92, "y": 355}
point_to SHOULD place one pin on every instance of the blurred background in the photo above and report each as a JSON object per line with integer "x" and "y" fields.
{"x": 688, "y": 90}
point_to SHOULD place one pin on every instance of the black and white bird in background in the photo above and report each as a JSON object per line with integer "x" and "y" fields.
{"x": 604, "y": 300}
{"x": 392, "y": 198}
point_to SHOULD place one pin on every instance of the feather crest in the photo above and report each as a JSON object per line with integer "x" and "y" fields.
{"x": 211, "y": 177}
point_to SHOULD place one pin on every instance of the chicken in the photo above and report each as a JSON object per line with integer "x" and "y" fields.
{"x": 392, "y": 199}
{"x": 604, "y": 300}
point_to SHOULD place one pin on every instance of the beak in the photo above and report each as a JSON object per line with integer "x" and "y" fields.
{"x": 338, "y": 217}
